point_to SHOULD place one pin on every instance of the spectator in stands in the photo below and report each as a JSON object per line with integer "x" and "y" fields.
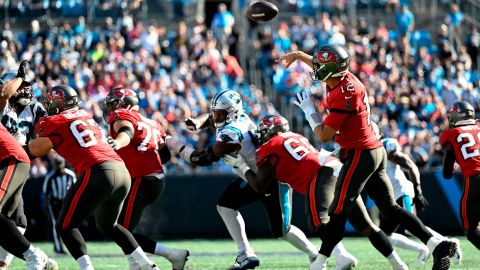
{"x": 454, "y": 19}
{"x": 222, "y": 24}
{"x": 405, "y": 21}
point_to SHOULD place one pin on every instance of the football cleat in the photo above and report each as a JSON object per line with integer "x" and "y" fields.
{"x": 345, "y": 261}
{"x": 458, "y": 254}
{"x": 245, "y": 260}
{"x": 442, "y": 254}
{"x": 150, "y": 267}
{"x": 178, "y": 258}
{"x": 37, "y": 260}
{"x": 132, "y": 264}
{"x": 320, "y": 263}
{"x": 423, "y": 255}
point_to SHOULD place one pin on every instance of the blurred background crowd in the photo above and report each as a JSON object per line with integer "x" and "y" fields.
{"x": 412, "y": 74}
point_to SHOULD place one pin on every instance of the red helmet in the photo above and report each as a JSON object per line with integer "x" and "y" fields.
{"x": 60, "y": 98}
{"x": 120, "y": 97}
{"x": 270, "y": 126}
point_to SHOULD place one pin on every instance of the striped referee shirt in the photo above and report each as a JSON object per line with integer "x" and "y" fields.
{"x": 56, "y": 184}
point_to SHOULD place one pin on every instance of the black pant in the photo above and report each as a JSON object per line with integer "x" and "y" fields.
{"x": 470, "y": 209}
{"x": 366, "y": 168}
{"x": 100, "y": 190}
{"x": 54, "y": 208}
{"x": 277, "y": 201}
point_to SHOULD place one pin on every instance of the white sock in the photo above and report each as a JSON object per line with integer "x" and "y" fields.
{"x": 298, "y": 239}
{"x": 339, "y": 249}
{"x": 236, "y": 227}
{"x": 6, "y": 257}
{"x": 402, "y": 241}
{"x": 31, "y": 249}
{"x": 394, "y": 259}
{"x": 141, "y": 257}
{"x": 436, "y": 234}
{"x": 162, "y": 250}
{"x": 85, "y": 263}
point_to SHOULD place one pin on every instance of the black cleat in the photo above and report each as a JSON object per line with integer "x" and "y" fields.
{"x": 442, "y": 254}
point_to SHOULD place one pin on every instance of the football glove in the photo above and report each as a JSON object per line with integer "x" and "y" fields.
{"x": 237, "y": 162}
{"x": 192, "y": 124}
{"x": 178, "y": 147}
{"x": 419, "y": 200}
{"x": 113, "y": 143}
{"x": 305, "y": 102}
{"x": 23, "y": 70}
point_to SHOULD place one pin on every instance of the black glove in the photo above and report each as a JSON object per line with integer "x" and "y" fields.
{"x": 23, "y": 70}
{"x": 192, "y": 124}
{"x": 419, "y": 201}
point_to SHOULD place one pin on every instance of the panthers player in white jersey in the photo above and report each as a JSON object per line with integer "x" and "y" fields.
{"x": 19, "y": 114}
{"x": 235, "y": 135}
{"x": 408, "y": 193}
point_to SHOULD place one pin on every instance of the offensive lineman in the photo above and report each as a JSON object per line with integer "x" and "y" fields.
{"x": 140, "y": 142}
{"x": 235, "y": 133}
{"x": 290, "y": 158}
{"x": 461, "y": 144}
{"x": 19, "y": 114}
{"x": 362, "y": 154}
{"x": 104, "y": 181}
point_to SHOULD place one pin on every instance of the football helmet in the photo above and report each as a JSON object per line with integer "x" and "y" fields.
{"x": 24, "y": 94}
{"x": 120, "y": 97}
{"x": 330, "y": 61}
{"x": 270, "y": 126}
{"x": 225, "y": 107}
{"x": 60, "y": 98}
{"x": 461, "y": 113}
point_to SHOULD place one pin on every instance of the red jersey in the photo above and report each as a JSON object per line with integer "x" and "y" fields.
{"x": 77, "y": 138}
{"x": 465, "y": 142}
{"x": 141, "y": 155}
{"x": 297, "y": 161}
{"x": 349, "y": 114}
{"x": 10, "y": 147}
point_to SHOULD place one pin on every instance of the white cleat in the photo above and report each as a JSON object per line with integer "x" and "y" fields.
{"x": 345, "y": 261}
{"x": 423, "y": 256}
{"x": 39, "y": 261}
{"x": 457, "y": 258}
{"x": 320, "y": 263}
{"x": 245, "y": 260}
{"x": 178, "y": 258}
{"x": 132, "y": 264}
{"x": 150, "y": 267}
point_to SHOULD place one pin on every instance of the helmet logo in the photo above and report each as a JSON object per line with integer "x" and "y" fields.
{"x": 55, "y": 94}
{"x": 326, "y": 57}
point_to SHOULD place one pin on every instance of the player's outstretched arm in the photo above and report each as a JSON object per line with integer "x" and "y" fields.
{"x": 288, "y": 58}
{"x": 38, "y": 147}
{"x": 260, "y": 181}
{"x": 8, "y": 89}
{"x": 201, "y": 122}
{"x": 201, "y": 158}
{"x": 304, "y": 101}
{"x": 125, "y": 132}
{"x": 448, "y": 162}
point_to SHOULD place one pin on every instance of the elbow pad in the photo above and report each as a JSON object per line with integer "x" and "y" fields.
{"x": 204, "y": 158}
{"x": 127, "y": 130}
{"x": 27, "y": 150}
{"x": 165, "y": 154}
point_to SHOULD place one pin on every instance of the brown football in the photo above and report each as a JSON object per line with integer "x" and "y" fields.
{"x": 262, "y": 11}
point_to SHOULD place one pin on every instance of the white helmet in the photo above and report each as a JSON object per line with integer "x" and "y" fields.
{"x": 229, "y": 101}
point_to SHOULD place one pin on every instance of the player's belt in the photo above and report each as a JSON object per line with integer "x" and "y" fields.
{"x": 159, "y": 176}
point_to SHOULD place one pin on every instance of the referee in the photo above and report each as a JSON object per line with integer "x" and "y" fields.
{"x": 55, "y": 188}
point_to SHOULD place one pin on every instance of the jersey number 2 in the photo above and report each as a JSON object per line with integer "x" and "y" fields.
{"x": 470, "y": 141}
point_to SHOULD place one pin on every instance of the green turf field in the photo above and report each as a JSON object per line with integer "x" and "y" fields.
{"x": 273, "y": 254}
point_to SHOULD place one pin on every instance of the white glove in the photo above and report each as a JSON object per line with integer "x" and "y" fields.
{"x": 237, "y": 162}
{"x": 305, "y": 102}
{"x": 113, "y": 143}
{"x": 178, "y": 147}
{"x": 192, "y": 124}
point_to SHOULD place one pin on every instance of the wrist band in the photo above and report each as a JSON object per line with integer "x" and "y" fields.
{"x": 314, "y": 119}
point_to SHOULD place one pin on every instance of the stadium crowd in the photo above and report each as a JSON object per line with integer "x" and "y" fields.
{"x": 411, "y": 79}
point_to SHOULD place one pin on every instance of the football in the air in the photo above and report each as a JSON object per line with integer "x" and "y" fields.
{"x": 262, "y": 11}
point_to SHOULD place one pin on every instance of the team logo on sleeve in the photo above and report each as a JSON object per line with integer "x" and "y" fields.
{"x": 225, "y": 138}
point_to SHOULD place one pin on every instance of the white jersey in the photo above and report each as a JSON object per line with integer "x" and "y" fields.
{"x": 401, "y": 185}
{"x": 241, "y": 131}
{"x": 22, "y": 126}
